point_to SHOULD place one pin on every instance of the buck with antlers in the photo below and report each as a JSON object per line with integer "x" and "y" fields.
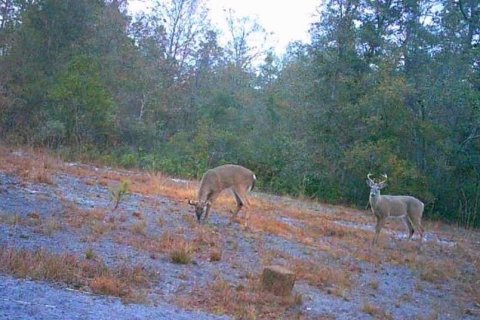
{"x": 237, "y": 178}
{"x": 408, "y": 208}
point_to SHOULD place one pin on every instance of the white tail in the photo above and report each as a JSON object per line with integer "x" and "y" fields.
{"x": 408, "y": 208}
{"x": 214, "y": 181}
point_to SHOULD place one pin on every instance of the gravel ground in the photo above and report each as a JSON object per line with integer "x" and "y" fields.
{"x": 25, "y": 299}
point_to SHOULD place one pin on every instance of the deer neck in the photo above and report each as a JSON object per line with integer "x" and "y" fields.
{"x": 202, "y": 194}
{"x": 374, "y": 201}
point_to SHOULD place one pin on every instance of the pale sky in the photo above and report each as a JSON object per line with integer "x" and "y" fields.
{"x": 288, "y": 20}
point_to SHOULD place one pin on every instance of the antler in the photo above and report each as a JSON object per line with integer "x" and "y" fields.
{"x": 369, "y": 176}
{"x": 385, "y": 176}
{"x": 371, "y": 180}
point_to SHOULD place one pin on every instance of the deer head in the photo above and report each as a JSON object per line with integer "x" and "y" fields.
{"x": 375, "y": 187}
{"x": 200, "y": 207}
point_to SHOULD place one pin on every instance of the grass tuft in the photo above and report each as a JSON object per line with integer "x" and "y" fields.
{"x": 181, "y": 253}
{"x": 89, "y": 254}
{"x": 376, "y": 311}
{"x": 215, "y": 255}
{"x": 140, "y": 228}
{"x": 109, "y": 286}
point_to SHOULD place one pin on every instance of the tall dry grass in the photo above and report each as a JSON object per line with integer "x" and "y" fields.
{"x": 85, "y": 274}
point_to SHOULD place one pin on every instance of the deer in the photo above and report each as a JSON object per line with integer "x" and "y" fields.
{"x": 408, "y": 208}
{"x": 229, "y": 176}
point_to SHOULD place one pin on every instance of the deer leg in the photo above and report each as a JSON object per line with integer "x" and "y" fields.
{"x": 210, "y": 199}
{"x": 245, "y": 198}
{"x": 207, "y": 210}
{"x": 239, "y": 201}
{"x": 410, "y": 228}
{"x": 378, "y": 227}
{"x": 241, "y": 198}
{"x": 416, "y": 221}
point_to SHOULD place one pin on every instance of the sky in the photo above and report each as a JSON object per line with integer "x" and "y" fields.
{"x": 287, "y": 20}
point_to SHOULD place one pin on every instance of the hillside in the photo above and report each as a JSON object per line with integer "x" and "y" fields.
{"x": 65, "y": 253}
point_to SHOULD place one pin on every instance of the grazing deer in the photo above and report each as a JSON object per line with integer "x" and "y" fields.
{"x": 408, "y": 208}
{"x": 239, "y": 179}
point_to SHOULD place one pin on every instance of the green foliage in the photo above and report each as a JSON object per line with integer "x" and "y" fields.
{"x": 82, "y": 103}
{"x": 52, "y": 134}
{"x": 129, "y": 160}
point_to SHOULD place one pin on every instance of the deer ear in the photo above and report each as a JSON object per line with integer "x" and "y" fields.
{"x": 382, "y": 185}
{"x": 369, "y": 183}
{"x": 192, "y": 203}
{"x": 208, "y": 203}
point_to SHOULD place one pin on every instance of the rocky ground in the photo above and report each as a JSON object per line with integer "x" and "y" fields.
{"x": 65, "y": 253}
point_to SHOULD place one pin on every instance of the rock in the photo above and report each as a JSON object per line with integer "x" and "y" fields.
{"x": 278, "y": 280}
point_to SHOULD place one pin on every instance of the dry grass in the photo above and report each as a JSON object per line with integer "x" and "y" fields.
{"x": 215, "y": 255}
{"x": 327, "y": 228}
{"x": 86, "y": 274}
{"x": 269, "y": 224}
{"x": 242, "y": 301}
{"x": 150, "y": 244}
{"x": 90, "y": 254}
{"x": 109, "y": 286}
{"x": 50, "y": 226}
{"x": 160, "y": 184}
{"x": 12, "y": 219}
{"x": 174, "y": 244}
{"x": 181, "y": 253}
{"x": 204, "y": 242}
{"x": 206, "y": 237}
{"x": 368, "y": 254}
{"x": 47, "y": 226}
{"x": 29, "y": 164}
{"x": 76, "y": 217}
{"x": 375, "y": 311}
{"x": 93, "y": 221}
{"x": 321, "y": 275}
{"x": 139, "y": 228}
{"x": 40, "y": 174}
{"x": 436, "y": 271}
{"x": 43, "y": 265}
{"x": 404, "y": 253}
{"x": 374, "y": 284}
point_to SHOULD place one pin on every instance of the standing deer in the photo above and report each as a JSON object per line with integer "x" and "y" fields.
{"x": 239, "y": 179}
{"x": 408, "y": 208}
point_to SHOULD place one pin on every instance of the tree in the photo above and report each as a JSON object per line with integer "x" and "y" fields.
{"x": 247, "y": 39}
{"x": 82, "y": 105}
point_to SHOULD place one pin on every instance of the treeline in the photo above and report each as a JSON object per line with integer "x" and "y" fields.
{"x": 385, "y": 86}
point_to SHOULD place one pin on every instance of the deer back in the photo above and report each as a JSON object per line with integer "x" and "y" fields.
{"x": 226, "y": 176}
{"x": 414, "y": 206}
{"x": 398, "y": 205}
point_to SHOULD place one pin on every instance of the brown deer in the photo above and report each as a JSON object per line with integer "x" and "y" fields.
{"x": 230, "y": 176}
{"x": 408, "y": 208}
